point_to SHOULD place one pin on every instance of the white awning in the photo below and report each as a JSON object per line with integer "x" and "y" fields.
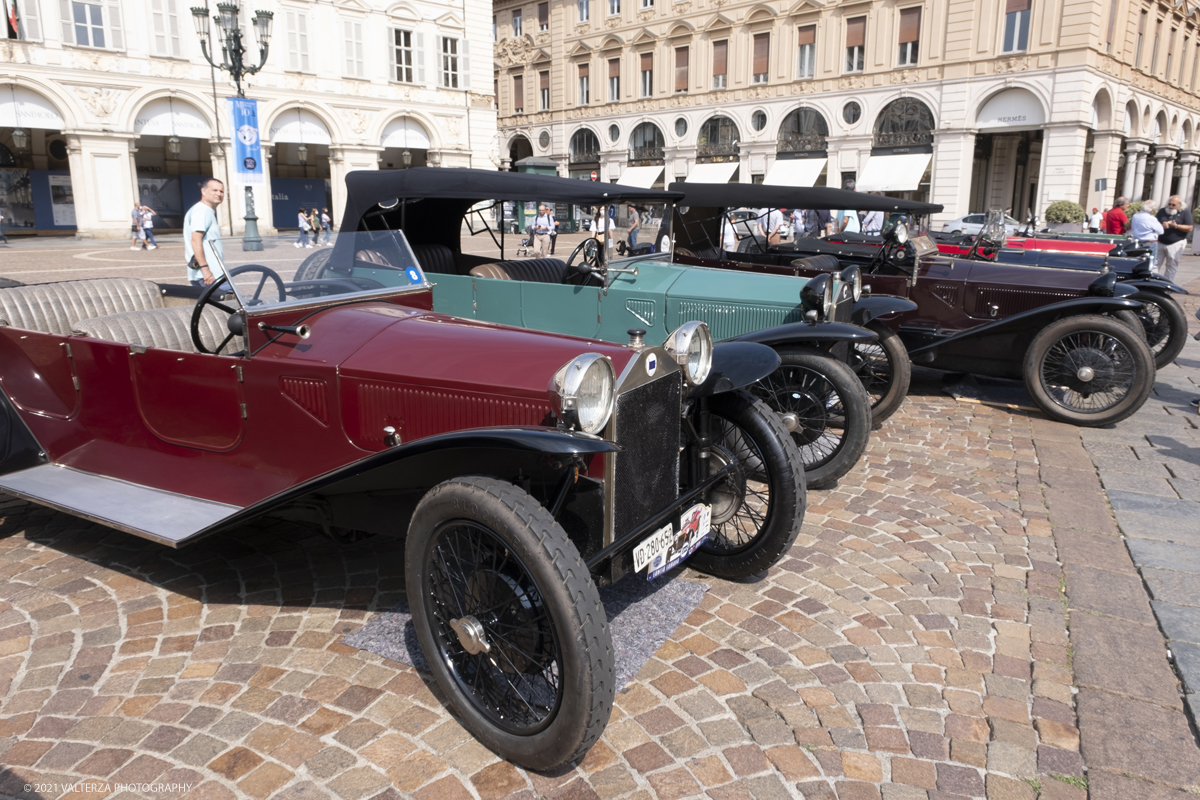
{"x": 794, "y": 172}
{"x": 899, "y": 173}
{"x": 406, "y": 133}
{"x": 712, "y": 173}
{"x": 641, "y": 177}
{"x": 297, "y": 126}
{"x": 21, "y": 108}
{"x": 167, "y": 116}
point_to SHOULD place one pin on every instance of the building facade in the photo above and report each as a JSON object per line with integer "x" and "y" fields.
{"x": 973, "y": 104}
{"x": 112, "y": 101}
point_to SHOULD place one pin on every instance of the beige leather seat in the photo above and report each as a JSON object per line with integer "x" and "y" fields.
{"x": 163, "y": 328}
{"x": 56, "y": 307}
{"x": 491, "y": 271}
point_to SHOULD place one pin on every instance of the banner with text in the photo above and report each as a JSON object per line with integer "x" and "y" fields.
{"x": 247, "y": 149}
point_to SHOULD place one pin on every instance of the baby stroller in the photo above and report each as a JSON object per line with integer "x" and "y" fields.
{"x": 525, "y": 248}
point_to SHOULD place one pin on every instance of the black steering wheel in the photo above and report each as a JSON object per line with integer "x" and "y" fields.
{"x": 206, "y": 299}
{"x": 588, "y": 251}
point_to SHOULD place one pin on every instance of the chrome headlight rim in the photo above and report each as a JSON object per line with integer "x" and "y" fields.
{"x": 568, "y": 384}
{"x": 901, "y": 232}
{"x": 817, "y": 295}
{"x": 852, "y": 276}
{"x": 689, "y": 337}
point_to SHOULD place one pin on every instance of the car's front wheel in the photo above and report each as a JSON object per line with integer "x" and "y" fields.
{"x": 1088, "y": 370}
{"x": 759, "y": 507}
{"x": 313, "y": 267}
{"x": 824, "y": 407}
{"x": 884, "y": 369}
{"x": 1165, "y": 324}
{"x": 510, "y": 621}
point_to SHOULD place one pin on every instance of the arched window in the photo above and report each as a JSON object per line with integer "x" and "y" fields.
{"x": 646, "y": 145}
{"x": 906, "y": 122}
{"x": 518, "y": 149}
{"x": 717, "y": 141}
{"x": 803, "y": 133}
{"x": 585, "y": 147}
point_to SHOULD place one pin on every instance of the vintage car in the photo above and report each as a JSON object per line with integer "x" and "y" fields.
{"x": 520, "y": 468}
{"x": 822, "y": 404}
{"x": 1070, "y": 335}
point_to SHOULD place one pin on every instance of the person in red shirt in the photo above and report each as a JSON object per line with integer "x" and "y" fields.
{"x": 1115, "y": 221}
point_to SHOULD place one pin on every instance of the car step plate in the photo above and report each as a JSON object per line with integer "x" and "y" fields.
{"x": 165, "y": 517}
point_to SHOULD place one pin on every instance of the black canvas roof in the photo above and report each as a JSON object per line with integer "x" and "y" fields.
{"x": 736, "y": 195}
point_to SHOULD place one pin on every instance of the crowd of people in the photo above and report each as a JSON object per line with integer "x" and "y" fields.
{"x": 1162, "y": 231}
{"x": 312, "y": 222}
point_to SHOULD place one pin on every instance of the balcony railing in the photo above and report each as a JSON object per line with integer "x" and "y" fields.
{"x": 905, "y": 139}
{"x": 720, "y": 151}
{"x": 795, "y": 143}
{"x": 584, "y": 156}
{"x": 646, "y": 156}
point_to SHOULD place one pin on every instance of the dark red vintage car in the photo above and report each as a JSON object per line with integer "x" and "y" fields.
{"x": 1072, "y": 336}
{"x": 521, "y": 468}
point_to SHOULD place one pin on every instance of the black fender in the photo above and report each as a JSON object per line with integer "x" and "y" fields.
{"x": 1155, "y": 285}
{"x": 820, "y": 334}
{"x": 871, "y": 307}
{"x": 736, "y": 364}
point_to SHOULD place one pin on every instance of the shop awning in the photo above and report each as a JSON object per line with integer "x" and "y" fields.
{"x": 899, "y": 173}
{"x": 641, "y": 177}
{"x": 795, "y": 172}
{"x": 21, "y": 108}
{"x": 712, "y": 173}
{"x": 297, "y": 126}
{"x": 167, "y": 116}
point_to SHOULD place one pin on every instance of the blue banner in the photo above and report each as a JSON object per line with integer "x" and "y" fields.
{"x": 247, "y": 149}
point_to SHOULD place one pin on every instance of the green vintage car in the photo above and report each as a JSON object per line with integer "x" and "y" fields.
{"x": 819, "y": 397}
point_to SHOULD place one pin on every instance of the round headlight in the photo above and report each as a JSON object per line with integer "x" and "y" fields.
{"x": 692, "y": 348}
{"x": 817, "y": 295}
{"x": 901, "y": 232}
{"x": 582, "y": 392}
{"x": 852, "y": 276}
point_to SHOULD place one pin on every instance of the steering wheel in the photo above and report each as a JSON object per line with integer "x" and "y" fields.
{"x": 588, "y": 251}
{"x": 206, "y": 299}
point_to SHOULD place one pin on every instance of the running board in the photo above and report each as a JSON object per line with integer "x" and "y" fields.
{"x": 164, "y": 517}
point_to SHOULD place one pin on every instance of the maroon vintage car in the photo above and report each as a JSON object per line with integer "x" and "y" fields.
{"x": 521, "y": 468}
{"x": 1071, "y": 335}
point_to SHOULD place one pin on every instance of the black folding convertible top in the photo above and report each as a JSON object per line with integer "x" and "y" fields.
{"x": 736, "y": 195}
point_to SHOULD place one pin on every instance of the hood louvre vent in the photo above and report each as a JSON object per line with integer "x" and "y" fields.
{"x": 417, "y": 412}
{"x": 309, "y": 394}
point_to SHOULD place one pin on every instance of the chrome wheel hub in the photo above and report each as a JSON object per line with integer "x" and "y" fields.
{"x": 791, "y": 422}
{"x": 470, "y": 634}
{"x": 1085, "y": 374}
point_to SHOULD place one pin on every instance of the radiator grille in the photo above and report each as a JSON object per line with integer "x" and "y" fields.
{"x": 417, "y": 412}
{"x": 731, "y": 319}
{"x": 1013, "y": 301}
{"x": 646, "y": 474}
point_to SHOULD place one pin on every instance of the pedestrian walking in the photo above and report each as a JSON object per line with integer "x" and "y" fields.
{"x": 1115, "y": 221}
{"x": 635, "y": 225}
{"x": 1177, "y": 224}
{"x": 872, "y": 224}
{"x": 148, "y": 215}
{"x": 1145, "y": 228}
{"x": 135, "y": 228}
{"x": 769, "y": 225}
{"x": 326, "y": 225}
{"x": 202, "y": 248}
{"x": 1095, "y": 221}
{"x": 543, "y": 223}
{"x": 799, "y": 229}
{"x": 305, "y": 228}
{"x": 553, "y": 230}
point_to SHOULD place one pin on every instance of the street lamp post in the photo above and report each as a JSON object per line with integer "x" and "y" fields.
{"x": 233, "y": 54}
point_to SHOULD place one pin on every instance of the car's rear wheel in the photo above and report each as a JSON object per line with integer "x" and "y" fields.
{"x": 510, "y": 621}
{"x": 1088, "y": 370}
{"x": 313, "y": 267}
{"x": 758, "y": 509}
{"x": 824, "y": 407}
{"x": 884, "y": 369}
{"x": 1165, "y": 324}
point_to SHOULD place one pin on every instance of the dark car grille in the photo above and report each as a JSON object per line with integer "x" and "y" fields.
{"x": 647, "y": 468}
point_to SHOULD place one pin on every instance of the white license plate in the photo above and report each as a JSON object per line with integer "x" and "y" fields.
{"x": 663, "y": 549}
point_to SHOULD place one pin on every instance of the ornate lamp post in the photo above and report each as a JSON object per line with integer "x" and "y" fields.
{"x": 233, "y": 53}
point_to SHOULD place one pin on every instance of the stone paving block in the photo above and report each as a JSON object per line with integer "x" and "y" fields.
{"x": 1157, "y": 484}
{"x": 1138, "y": 503}
{"x": 1178, "y": 622}
{"x": 1137, "y": 738}
{"x": 1093, "y": 550}
{"x": 1108, "y": 593}
{"x": 1161, "y": 528}
{"x": 1169, "y": 586}
{"x": 1187, "y": 661}
{"x": 1104, "y": 785}
{"x": 1164, "y": 555}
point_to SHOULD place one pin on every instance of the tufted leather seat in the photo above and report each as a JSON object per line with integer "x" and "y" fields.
{"x": 55, "y": 307}
{"x": 490, "y": 271}
{"x": 435, "y": 258}
{"x": 823, "y": 263}
{"x": 538, "y": 270}
{"x": 163, "y": 328}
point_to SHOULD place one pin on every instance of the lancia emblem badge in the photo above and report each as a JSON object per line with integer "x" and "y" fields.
{"x": 651, "y": 364}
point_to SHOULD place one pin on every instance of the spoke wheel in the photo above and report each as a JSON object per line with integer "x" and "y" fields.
{"x": 510, "y": 621}
{"x": 1165, "y": 325}
{"x": 1088, "y": 370}
{"x": 884, "y": 369}
{"x": 825, "y": 409}
{"x": 758, "y": 508}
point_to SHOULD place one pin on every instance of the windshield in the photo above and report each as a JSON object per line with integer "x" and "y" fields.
{"x": 357, "y": 266}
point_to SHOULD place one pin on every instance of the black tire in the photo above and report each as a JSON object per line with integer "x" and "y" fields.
{"x": 1121, "y": 369}
{"x": 744, "y": 539}
{"x": 313, "y": 267}
{"x": 826, "y": 409}
{"x": 538, "y": 609}
{"x": 884, "y": 369}
{"x": 1165, "y": 324}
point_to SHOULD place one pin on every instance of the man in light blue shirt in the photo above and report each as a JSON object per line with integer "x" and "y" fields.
{"x": 1145, "y": 229}
{"x": 202, "y": 246}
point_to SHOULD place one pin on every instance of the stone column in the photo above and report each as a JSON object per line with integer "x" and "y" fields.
{"x": 1139, "y": 177}
{"x": 950, "y": 175}
{"x": 1187, "y": 182}
{"x": 342, "y": 160}
{"x": 1131, "y": 157}
{"x": 1164, "y": 192}
{"x": 1160, "y": 175}
{"x": 103, "y": 180}
{"x": 1104, "y": 165}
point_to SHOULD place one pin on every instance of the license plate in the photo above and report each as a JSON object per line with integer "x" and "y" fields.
{"x": 666, "y": 547}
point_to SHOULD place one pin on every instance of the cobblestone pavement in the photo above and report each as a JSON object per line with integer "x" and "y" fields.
{"x": 914, "y": 645}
